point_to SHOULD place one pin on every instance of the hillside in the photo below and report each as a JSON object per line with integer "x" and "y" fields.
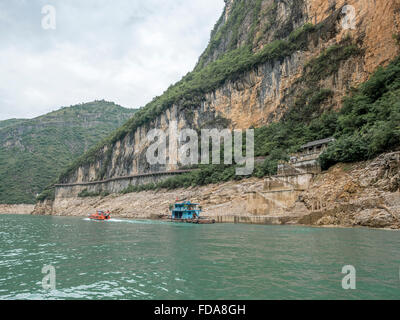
{"x": 283, "y": 67}
{"x": 34, "y": 152}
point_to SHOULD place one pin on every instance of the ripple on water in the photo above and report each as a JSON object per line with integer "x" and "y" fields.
{"x": 125, "y": 259}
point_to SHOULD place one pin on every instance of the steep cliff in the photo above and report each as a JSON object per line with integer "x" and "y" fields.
{"x": 264, "y": 58}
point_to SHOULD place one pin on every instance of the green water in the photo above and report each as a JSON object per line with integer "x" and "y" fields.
{"x": 152, "y": 260}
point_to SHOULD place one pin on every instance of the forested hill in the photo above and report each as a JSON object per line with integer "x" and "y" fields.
{"x": 33, "y": 152}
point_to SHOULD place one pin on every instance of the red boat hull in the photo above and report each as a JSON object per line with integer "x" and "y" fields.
{"x": 99, "y": 217}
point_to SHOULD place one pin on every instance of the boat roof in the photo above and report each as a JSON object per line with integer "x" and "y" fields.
{"x": 188, "y": 203}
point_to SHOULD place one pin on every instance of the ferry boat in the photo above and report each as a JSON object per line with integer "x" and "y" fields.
{"x": 188, "y": 212}
{"x": 100, "y": 216}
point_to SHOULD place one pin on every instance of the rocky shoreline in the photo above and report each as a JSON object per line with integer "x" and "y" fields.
{"x": 365, "y": 194}
{"x": 16, "y": 208}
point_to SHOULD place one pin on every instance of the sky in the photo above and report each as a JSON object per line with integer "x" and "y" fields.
{"x": 125, "y": 51}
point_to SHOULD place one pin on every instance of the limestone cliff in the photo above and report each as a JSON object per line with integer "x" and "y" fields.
{"x": 262, "y": 91}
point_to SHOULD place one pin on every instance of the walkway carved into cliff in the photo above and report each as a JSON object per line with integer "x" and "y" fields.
{"x": 115, "y": 185}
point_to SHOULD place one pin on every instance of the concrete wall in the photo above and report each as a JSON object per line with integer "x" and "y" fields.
{"x": 280, "y": 193}
{"x": 291, "y": 182}
{"x": 306, "y": 166}
{"x": 271, "y": 203}
{"x": 253, "y": 220}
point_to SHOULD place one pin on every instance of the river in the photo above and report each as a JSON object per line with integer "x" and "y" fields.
{"x": 124, "y": 259}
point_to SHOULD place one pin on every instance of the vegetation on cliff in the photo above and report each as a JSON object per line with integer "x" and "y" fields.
{"x": 86, "y": 194}
{"x": 248, "y": 24}
{"x": 229, "y": 32}
{"x": 367, "y": 125}
{"x": 191, "y": 89}
{"x": 34, "y": 152}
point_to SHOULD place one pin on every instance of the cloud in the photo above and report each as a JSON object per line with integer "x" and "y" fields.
{"x": 126, "y": 51}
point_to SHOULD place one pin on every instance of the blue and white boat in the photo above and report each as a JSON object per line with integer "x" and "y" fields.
{"x": 188, "y": 212}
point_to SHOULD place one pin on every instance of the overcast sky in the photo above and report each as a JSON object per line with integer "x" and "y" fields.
{"x": 125, "y": 51}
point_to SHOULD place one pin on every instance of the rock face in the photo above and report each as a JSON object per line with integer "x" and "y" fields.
{"x": 128, "y": 156}
{"x": 376, "y": 22}
{"x": 363, "y": 194}
{"x": 263, "y": 94}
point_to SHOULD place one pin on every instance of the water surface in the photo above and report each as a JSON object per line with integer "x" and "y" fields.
{"x": 123, "y": 259}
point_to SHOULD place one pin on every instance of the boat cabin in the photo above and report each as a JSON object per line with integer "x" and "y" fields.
{"x": 186, "y": 211}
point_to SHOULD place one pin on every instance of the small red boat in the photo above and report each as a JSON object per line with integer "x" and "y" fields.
{"x": 100, "y": 216}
